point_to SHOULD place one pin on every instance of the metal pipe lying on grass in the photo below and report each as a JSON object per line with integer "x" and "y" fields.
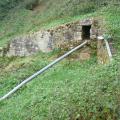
{"x": 41, "y": 71}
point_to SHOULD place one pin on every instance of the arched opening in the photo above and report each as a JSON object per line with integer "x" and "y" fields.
{"x": 86, "y": 32}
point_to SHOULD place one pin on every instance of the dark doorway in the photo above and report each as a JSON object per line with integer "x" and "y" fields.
{"x": 86, "y": 32}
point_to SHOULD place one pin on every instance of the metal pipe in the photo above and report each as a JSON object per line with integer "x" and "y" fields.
{"x": 41, "y": 71}
{"x": 108, "y": 50}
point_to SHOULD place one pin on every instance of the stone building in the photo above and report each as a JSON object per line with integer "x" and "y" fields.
{"x": 47, "y": 40}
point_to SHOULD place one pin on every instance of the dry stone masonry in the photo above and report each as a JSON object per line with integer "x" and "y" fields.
{"x": 47, "y": 40}
{"x": 27, "y": 45}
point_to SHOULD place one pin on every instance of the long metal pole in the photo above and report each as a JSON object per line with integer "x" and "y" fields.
{"x": 41, "y": 71}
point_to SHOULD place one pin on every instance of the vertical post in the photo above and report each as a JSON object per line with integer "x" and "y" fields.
{"x": 102, "y": 55}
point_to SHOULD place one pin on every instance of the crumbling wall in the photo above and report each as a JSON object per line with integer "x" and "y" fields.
{"x": 30, "y": 44}
{"x": 66, "y": 33}
{"x": 47, "y": 40}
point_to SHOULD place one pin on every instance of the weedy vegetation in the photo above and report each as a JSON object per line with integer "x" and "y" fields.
{"x": 72, "y": 90}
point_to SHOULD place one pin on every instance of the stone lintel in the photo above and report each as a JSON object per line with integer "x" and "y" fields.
{"x": 86, "y": 22}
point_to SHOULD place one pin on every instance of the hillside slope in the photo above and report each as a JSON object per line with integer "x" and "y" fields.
{"x": 21, "y": 17}
{"x": 68, "y": 91}
{"x": 72, "y": 90}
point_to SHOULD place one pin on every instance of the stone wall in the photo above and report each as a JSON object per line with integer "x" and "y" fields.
{"x": 66, "y": 33}
{"x": 30, "y": 44}
{"x": 102, "y": 53}
{"x": 47, "y": 40}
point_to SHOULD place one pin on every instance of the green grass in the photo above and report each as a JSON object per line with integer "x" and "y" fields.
{"x": 67, "y": 90}
{"x": 70, "y": 90}
{"x": 18, "y": 20}
{"x": 113, "y": 18}
{"x": 31, "y": 24}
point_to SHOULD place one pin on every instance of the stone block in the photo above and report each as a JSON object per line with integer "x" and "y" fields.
{"x": 78, "y": 36}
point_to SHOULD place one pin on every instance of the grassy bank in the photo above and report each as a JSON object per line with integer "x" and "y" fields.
{"x": 66, "y": 91}
{"x": 22, "y": 17}
{"x": 72, "y": 90}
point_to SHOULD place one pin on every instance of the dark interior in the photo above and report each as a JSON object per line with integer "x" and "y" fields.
{"x": 86, "y": 32}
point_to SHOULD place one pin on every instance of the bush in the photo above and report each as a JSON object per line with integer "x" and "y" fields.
{"x": 6, "y": 5}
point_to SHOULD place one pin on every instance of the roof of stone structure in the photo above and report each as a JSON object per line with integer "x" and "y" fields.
{"x": 86, "y": 22}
